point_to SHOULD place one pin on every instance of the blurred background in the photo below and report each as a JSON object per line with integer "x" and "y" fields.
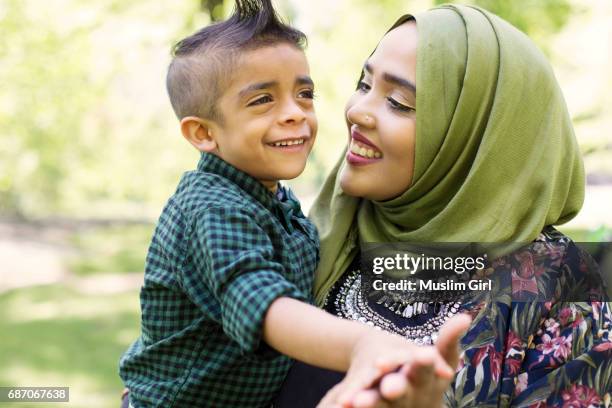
{"x": 90, "y": 150}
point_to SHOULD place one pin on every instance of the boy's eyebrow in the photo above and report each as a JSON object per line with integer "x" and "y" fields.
{"x": 300, "y": 80}
{"x": 393, "y": 79}
{"x": 256, "y": 87}
{"x": 304, "y": 80}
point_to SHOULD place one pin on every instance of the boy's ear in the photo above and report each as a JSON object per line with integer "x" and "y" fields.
{"x": 199, "y": 133}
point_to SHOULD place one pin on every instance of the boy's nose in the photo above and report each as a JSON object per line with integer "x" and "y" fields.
{"x": 292, "y": 113}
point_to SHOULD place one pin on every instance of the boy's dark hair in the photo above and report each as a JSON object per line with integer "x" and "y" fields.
{"x": 203, "y": 62}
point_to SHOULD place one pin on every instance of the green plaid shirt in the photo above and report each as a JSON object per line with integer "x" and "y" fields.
{"x": 224, "y": 248}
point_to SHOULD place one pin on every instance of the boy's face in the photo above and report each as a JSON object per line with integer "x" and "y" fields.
{"x": 269, "y": 123}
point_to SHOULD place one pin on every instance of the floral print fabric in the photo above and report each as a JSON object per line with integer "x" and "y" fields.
{"x": 551, "y": 353}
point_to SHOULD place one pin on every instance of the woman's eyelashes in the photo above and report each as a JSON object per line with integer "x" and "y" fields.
{"x": 363, "y": 86}
{"x": 400, "y": 106}
{"x": 394, "y": 104}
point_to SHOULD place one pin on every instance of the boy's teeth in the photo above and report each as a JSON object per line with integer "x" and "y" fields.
{"x": 362, "y": 151}
{"x": 288, "y": 143}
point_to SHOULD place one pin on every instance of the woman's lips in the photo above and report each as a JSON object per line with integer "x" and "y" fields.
{"x": 363, "y": 140}
{"x": 364, "y": 150}
{"x": 361, "y": 154}
{"x": 361, "y": 150}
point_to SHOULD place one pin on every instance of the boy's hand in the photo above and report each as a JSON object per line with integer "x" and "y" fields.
{"x": 421, "y": 380}
{"x": 379, "y": 353}
{"x": 389, "y": 368}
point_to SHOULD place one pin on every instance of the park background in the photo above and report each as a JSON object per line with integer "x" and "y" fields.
{"x": 90, "y": 150}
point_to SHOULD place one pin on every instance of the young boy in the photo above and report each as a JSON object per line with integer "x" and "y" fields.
{"x": 231, "y": 263}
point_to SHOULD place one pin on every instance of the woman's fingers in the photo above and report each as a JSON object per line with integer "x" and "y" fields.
{"x": 329, "y": 400}
{"x": 448, "y": 338}
{"x": 355, "y": 383}
{"x": 368, "y": 399}
{"x": 423, "y": 356}
{"x": 421, "y": 375}
{"x": 389, "y": 363}
{"x": 428, "y": 372}
{"x": 431, "y": 357}
{"x": 394, "y": 386}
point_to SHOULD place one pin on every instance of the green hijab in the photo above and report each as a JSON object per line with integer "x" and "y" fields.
{"x": 496, "y": 158}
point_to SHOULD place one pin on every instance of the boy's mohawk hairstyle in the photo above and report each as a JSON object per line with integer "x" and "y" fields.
{"x": 205, "y": 59}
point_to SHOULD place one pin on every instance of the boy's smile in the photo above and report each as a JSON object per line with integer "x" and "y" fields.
{"x": 269, "y": 123}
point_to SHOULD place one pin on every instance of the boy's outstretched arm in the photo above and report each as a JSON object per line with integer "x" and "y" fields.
{"x": 238, "y": 281}
{"x": 316, "y": 337}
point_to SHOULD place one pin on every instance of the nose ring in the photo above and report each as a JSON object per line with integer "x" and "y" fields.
{"x": 368, "y": 119}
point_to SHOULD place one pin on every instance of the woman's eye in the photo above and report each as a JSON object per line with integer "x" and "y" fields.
{"x": 261, "y": 100}
{"x": 400, "y": 106}
{"x": 363, "y": 87}
{"x": 307, "y": 93}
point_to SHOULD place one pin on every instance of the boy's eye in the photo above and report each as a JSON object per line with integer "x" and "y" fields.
{"x": 261, "y": 100}
{"x": 307, "y": 93}
{"x": 400, "y": 106}
{"x": 363, "y": 87}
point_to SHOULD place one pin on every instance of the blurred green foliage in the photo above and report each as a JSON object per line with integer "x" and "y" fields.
{"x": 85, "y": 125}
{"x": 116, "y": 249}
{"x": 86, "y": 129}
{"x": 80, "y": 133}
{"x": 600, "y": 234}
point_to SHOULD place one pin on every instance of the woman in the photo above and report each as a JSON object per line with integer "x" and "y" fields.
{"x": 490, "y": 157}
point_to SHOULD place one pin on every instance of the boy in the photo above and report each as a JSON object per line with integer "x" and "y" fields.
{"x": 232, "y": 259}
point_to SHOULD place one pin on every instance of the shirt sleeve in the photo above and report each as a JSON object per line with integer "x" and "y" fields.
{"x": 235, "y": 258}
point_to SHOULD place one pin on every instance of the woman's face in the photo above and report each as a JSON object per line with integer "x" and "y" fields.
{"x": 381, "y": 118}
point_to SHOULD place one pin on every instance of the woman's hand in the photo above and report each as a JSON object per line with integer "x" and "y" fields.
{"x": 421, "y": 381}
{"x": 387, "y": 370}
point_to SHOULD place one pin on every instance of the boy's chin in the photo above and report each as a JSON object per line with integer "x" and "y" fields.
{"x": 290, "y": 175}
{"x": 290, "y": 172}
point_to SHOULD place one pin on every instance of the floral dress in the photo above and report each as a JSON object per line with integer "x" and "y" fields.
{"x": 554, "y": 352}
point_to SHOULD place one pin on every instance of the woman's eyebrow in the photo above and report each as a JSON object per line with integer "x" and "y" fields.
{"x": 392, "y": 79}
{"x": 404, "y": 83}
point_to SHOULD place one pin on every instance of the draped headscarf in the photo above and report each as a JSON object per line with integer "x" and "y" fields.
{"x": 496, "y": 158}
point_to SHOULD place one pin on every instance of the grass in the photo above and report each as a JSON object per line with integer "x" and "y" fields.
{"x": 120, "y": 249}
{"x": 56, "y": 336}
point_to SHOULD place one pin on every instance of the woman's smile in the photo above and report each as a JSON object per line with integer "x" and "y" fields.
{"x": 361, "y": 150}
{"x": 381, "y": 142}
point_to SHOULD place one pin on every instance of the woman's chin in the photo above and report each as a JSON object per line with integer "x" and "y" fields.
{"x": 351, "y": 186}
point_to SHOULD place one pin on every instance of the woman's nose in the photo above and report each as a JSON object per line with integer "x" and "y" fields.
{"x": 358, "y": 115}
